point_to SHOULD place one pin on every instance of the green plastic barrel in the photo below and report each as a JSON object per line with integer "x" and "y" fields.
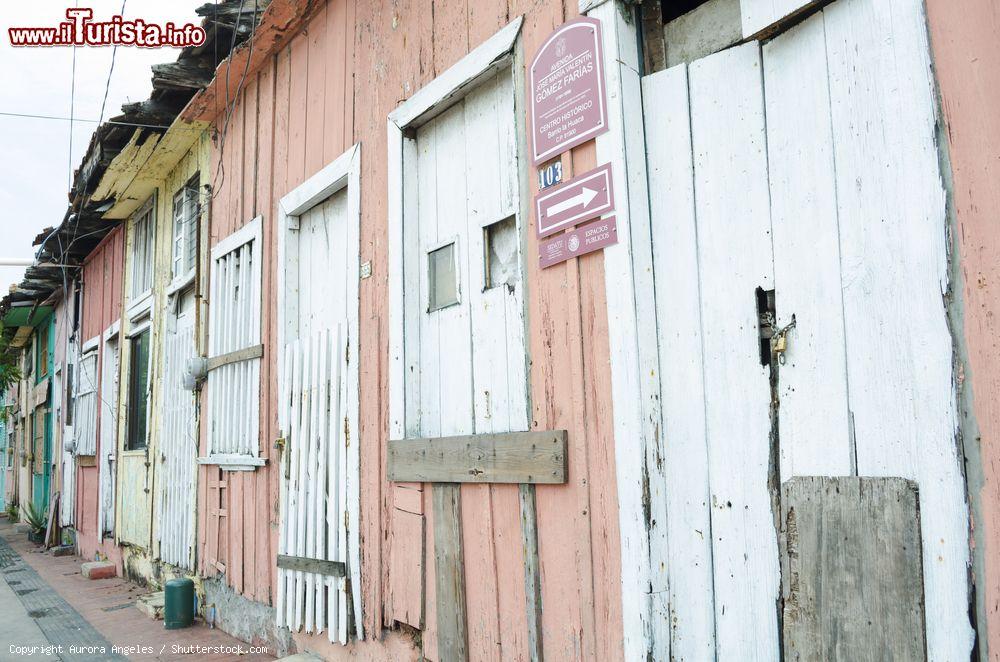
{"x": 178, "y": 603}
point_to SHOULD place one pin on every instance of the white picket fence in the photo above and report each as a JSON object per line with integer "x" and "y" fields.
{"x": 314, "y": 507}
{"x": 179, "y": 447}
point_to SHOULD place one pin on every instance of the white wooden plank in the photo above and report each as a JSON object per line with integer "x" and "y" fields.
{"x": 352, "y": 343}
{"x": 298, "y": 517}
{"x": 734, "y": 256}
{"x": 342, "y": 512}
{"x": 312, "y": 485}
{"x": 486, "y": 306}
{"x": 284, "y": 405}
{"x": 412, "y": 300}
{"x": 399, "y": 393}
{"x": 759, "y": 15}
{"x": 893, "y": 232}
{"x": 332, "y": 509}
{"x": 454, "y": 351}
{"x": 680, "y": 531}
{"x": 322, "y": 185}
{"x": 321, "y": 493}
{"x": 814, "y": 423}
{"x": 632, "y": 336}
{"x": 295, "y": 428}
{"x": 429, "y": 325}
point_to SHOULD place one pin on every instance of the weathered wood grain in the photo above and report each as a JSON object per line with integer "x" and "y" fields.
{"x": 631, "y": 345}
{"x": 516, "y": 457}
{"x": 449, "y": 573}
{"x": 765, "y": 16}
{"x": 532, "y": 573}
{"x": 854, "y": 586}
{"x": 313, "y": 565}
{"x": 407, "y": 603}
{"x": 680, "y": 537}
{"x": 891, "y": 202}
{"x": 734, "y": 255}
{"x": 967, "y": 71}
{"x": 814, "y": 424}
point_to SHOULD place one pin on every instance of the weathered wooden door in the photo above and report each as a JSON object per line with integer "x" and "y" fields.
{"x": 135, "y": 466}
{"x": 108, "y": 424}
{"x": 318, "y": 562}
{"x": 178, "y": 445}
{"x": 465, "y": 365}
{"x": 795, "y": 189}
{"x": 80, "y": 439}
{"x": 41, "y": 417}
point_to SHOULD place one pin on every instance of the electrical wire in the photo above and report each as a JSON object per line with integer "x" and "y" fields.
{"x": 92, "y": 121}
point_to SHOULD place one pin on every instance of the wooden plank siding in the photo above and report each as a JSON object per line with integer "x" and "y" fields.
{"x": 318, "y": 84}
{"x": 101, "y": 305}
{"x": 289, "y": 121}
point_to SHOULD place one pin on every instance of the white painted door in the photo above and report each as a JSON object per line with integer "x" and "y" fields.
{"x": 463, "y": 298}
{"x": 318, "y": 388}
{"x": 178, "y": 441}
{"x": 808, "y": 169}
{"x": 108, "y": 423}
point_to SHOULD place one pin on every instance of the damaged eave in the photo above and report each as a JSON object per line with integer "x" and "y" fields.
{"x": 279, "y": 23}
{"x": 135, "y": 172}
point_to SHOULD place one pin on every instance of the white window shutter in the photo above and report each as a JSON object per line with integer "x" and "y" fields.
{"x": 235, "y": 350}
{"x": 85, "y": 403}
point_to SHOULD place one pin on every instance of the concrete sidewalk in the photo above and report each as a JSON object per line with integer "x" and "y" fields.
{"x": 52, "y": 604}
{"x": 18, "y": 629}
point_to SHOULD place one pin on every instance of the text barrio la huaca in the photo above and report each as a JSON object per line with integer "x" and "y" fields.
{"x": 81, "y": 30}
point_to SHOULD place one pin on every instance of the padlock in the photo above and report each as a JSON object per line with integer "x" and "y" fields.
{"x": 779, "y": 344}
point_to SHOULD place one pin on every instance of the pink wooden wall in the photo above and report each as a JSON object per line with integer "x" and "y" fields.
{"x": 101, "y": 307}
{"x": 329, "y": 83}
{"x": 289, "y": 123}
{"x": 964, "y": 44}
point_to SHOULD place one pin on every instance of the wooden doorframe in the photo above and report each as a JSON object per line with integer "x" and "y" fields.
{"x": 344, "y": 172}
{"x": 631, "y": 336}
{"x": 431, "y": 100}
{"x": 499, "y": 52}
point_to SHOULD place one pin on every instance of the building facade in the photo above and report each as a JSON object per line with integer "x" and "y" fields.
{"x": 324, "y": 364}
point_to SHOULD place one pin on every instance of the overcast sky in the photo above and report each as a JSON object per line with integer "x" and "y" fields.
{"x": 36, "y": 164}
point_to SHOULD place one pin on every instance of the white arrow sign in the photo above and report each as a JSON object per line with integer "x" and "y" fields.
{"x": 584, "y": 198}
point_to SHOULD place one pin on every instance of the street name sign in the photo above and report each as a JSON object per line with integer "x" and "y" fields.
{"x": 568, "y": 95}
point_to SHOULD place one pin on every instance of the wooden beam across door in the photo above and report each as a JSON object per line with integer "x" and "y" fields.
{"x": 511, "y": 457}
{"x": 523, "y": 458}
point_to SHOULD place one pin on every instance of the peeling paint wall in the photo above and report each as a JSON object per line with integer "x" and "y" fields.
{"x": 334, "y": 72}
{"x": 100, "y": 308}
{"x": 967, "y": 62}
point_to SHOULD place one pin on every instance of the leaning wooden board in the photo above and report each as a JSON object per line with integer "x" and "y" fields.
{"x": 854, "y": 585}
